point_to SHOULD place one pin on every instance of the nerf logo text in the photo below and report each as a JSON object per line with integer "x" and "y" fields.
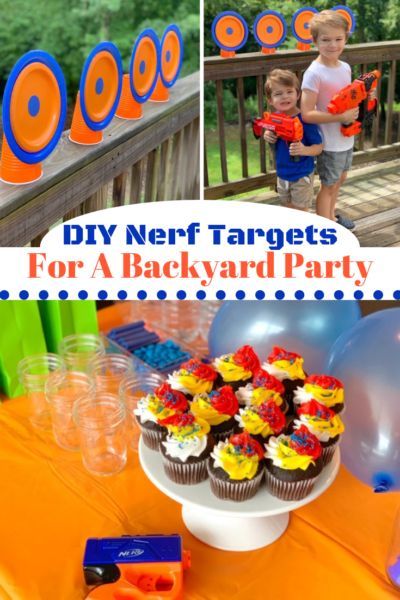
{"x": 130, "y": 553}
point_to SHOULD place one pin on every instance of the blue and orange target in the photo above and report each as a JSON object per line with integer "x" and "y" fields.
{"x": 100, "y": 85}
{"x": 347, "y": 14}
{"x": 34, "y": 107}
{"x": 269, "y": 30}
{"x": 229, "y": 31}
{"x": 171, "y": 55}
{"x": 301, "y": 26}
{"x": 145, "y": 65}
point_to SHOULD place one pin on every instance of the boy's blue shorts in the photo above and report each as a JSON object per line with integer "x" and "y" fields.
{"x": 331, "y": 165}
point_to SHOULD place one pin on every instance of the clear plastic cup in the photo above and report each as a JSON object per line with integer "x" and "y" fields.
{"x": 101, "y": 423}
{"x": 79, "y": 349}
{"x": 108, "y": 371}
{"x": 33, "y": 374}
{"x": 62, "y": 391}
{"x": 133, "y": 388}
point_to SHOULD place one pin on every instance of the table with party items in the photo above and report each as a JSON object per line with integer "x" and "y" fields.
{"x": 240, "y": 426}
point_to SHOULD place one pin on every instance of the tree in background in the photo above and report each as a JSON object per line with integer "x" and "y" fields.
{"x": 69, "y": 29}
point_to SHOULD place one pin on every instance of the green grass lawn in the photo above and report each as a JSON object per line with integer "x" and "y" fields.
{"x": 234, "y": 157}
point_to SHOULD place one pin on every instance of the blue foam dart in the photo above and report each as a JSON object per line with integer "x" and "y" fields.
{"x": 34, "y": 56}
{"x": 162, "y": 356}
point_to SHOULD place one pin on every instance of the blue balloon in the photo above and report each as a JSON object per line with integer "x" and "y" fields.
{"x": 367, "y": 360}
{"x": 306, "y": 327}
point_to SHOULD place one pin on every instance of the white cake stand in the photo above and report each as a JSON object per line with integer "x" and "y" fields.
{"x": 228, "y": 525}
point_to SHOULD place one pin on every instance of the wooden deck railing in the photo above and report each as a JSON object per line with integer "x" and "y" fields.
{"x": 152, "y": 159}
{"x": 364, "y": 57}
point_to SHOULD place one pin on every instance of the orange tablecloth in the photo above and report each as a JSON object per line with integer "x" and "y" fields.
{"x": 335, "y": 547}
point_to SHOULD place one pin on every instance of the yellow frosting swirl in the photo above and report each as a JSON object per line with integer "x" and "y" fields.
{"x": 237, "y": 465}
{"x": 193, "y": 384}
{"x": 201, "y": 407}
{"x": 327, "y": 397}
{"x": 158, "y": 409}
{"x": 261, "y": 395}
{"x": 198, "y": 429}
{"x": 293, "y": 369}
{"x": 229, "y": 370}
{"x": 254, "y": 424}
{"x": 332, "y": 427}
{"x": 287, "y": 458}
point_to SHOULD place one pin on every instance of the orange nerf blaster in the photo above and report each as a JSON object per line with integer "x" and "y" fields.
{"x": 148, "y": 567}
{"x": 353, "y": 95}
{"x": 287, "y": 128}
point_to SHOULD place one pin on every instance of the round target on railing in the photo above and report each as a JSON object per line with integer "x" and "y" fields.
{"x": 229, "y": 31}
{"x": 144, "y": 66}
{"x": 34, "y": 107}
{"x": 100, "y": 85}
{"x": 347, "y": 14}
{"x": 269, "y": 30}
{"x": 301, "y": 26}
{"x": 171, "y": 55}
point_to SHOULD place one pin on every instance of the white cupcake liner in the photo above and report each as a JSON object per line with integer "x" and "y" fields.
{"x": 185, "y": 473}
{"x": 288, "y": 490}
{"x": 328, "y": 452}
{"x": 151, "y": 438}
{"x": 238, "y": 491}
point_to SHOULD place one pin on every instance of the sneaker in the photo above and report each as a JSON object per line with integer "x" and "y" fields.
{"x": 345, "y": 221}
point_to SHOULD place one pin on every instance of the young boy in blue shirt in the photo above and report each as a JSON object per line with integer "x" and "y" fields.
{"x": 295, "y": 178}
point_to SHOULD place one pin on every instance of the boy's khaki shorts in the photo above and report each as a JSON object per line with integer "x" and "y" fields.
{"x": 331, "y": 165}
{"x": 299, "y": 193}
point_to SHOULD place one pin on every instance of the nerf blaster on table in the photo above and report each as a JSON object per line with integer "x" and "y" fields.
{"x": 353, "y": 95}
{"x": 287, "y": 128}
{"x": 147, "y": 567}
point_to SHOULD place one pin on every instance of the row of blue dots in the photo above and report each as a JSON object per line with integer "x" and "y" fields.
{"x": 200, "y": 295}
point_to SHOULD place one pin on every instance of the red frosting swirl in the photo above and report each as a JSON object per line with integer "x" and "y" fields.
{"x": 316, "y": 409}
{"x": 224, "y": 401}
{"x": 263, "y": 379}
{"x": 178, "y": 420}
{"x": 199, "y": 369}
{"x": 246, "y": 357}
{"x": 304, "y": 442}
{"x": 325, "y": 381}
{"x": 282, "y": 354}
{"x": 272, "y": 414}
{"x": 245, "y": 444}
{"x": 171, "y": 398}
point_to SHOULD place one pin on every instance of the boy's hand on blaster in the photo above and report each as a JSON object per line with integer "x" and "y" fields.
{"x": 349, "y": 116}
{"x": 297, "y": 149}
{"x": 372, "y": 95}
{"x": 270, "y": 136}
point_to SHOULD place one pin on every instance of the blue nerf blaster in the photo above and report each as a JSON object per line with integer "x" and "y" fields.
{"x": 147, "y": 567}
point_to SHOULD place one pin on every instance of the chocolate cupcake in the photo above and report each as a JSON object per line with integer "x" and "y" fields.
{"x": 193, "y": 377}
{"x": 186, "y": 449}
{"x": 322, "y": 422}
{"x": 263, "y": 387}
{"x": 236, "y": 368}
{"x": 164, "y": 402}
{"x": 262, "y": 421}
{"x": 236, "y": 468}
{"x": 288, "y": 368}
{"x": 293, "y": 463}
{"x": 325, "y": 389}
{"x": 218, "y": 408}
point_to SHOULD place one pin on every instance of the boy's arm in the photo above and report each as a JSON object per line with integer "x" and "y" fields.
{"x": 311, "y": 115}
{"x": 299, "y": 149}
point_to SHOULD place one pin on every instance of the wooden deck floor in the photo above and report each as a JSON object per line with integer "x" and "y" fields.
{"x": 371, "y": 197}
